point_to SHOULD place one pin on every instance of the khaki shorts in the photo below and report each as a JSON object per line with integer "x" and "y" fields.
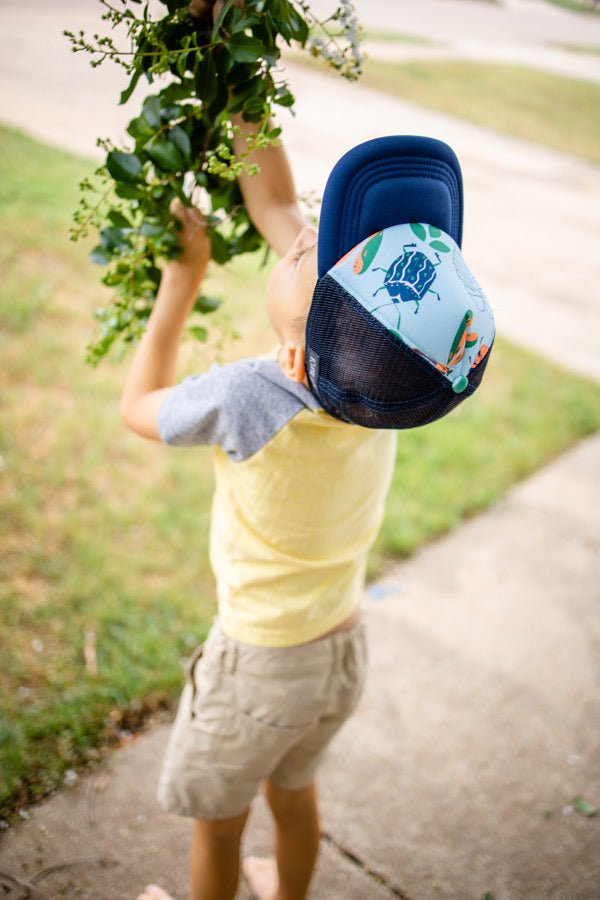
{"x": 250, "y": 713}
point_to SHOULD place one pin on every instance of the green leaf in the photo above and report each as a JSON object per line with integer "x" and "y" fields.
{"x": 247, "y": 242}
{"x": 200, "y": 333}
{"x": 166, "y": 156}
{"x": 297, "y": 26}
{"x": 174, "y": 111}
{"x": 181, "y": 139}
{"x": 151, "y": 229}
{"x": 240, "y": 75}
{"x": 434, "y": 232}
{"x": 114, "y": 240}
{"x": 140, "y": 129}
{"x": 220, "y": 19}
{"x": 118, "y": 219}
{"x": 126, "y": 94}
{"x": 219, "y": 101}
{"x": 254, "y": 110}
{"x": 236, "y": 103}
{"x": 151, "y": 110}
{"x": 130, "y": 191}
{"x": 273, "y": 133}
{"x": 584, "y": 807}
{"x": 124, "y": 167}
{"x": 168, "y": 241}
{"x": 205, "y": 80}
{"x": 284, "y": 97}
{"x": 439, "y": 245}
{"x": 242, "y": 21}
{"x": 285, "y": 31}
{"x": 99, "y": 256}
{"x": 206, "y": 304}
{"x": 244, "y": 48}
{"x": 212, "y": 72}
{"x": 182, "y": 62}
{"x": 419, "y": 230}
{"x": 219, "y": 247}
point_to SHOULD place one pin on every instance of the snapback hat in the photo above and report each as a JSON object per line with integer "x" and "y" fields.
{"x": 399, "y": 331}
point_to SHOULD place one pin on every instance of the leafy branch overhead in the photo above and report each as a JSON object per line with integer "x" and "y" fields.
{"x": 181, "y": 142}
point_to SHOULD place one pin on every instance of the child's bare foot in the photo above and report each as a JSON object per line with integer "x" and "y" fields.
{"x": 152, "y": 892}
{"x": 261, "y": 875}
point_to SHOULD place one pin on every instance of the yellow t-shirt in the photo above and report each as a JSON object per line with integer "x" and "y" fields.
{"x": 299, "y": 499}
{"x": 292, "y": 526}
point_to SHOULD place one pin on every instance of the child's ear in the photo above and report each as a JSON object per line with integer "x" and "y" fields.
{"x": 291, "y": 360}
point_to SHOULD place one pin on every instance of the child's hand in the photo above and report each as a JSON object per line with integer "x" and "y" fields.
{"x": 192, "y": 236}
{"x": 201, "y": 9}
{"x": 204, "y": 9}
{"x": 153, "y": 367}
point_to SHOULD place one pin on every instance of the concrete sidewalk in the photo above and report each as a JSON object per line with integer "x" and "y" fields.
{"x": 480, "y": 722}
{"x": 457, "y": 776}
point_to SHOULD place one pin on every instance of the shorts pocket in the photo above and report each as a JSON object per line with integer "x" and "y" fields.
{"x": 292, "y": 704}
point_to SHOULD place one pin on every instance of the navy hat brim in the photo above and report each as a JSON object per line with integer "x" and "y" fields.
{"x": 384, "y": 182}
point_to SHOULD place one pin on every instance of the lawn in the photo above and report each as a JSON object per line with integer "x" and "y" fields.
{"x": 589, "y": 7}
{"x": 559, "y": 112}
{"x": 104, "y": 579}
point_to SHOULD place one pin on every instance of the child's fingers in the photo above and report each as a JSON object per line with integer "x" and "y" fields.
{"x": 189, "y": 216}
{"x": 204, "y": 9}
{"x": 200, "y": 9}
{"x": 192, "y": 236}
{"x": 177, "y": 208}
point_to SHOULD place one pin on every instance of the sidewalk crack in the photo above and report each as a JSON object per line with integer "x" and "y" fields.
{"x": 376, "y": 876}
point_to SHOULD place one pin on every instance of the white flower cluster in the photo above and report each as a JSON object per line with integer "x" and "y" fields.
{"x": 341, "y": 46}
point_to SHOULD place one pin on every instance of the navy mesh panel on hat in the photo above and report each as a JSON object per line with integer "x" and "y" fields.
{"x": 355, "y": 367}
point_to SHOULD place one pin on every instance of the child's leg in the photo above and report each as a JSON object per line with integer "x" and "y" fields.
{"x": 296, "y": 846}
{"x": 215, "y": 857}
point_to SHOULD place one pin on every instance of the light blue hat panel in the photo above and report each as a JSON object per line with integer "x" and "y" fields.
{"x": 413, "y": 279}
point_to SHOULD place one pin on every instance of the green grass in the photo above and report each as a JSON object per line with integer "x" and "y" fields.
{"x": 559, "y": 112}
{"x": 103, "y": 536}
{"x": 94, "y": 535}
{"x": 579, "y": 48}
{"x": 395, "y": 37}
{"x": 576, "y": 5}
{"x": 526, "y": 412}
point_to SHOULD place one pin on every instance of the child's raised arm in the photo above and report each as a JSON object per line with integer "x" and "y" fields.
{"x": 270, "y": 196}
{"x": 153, "y": 368}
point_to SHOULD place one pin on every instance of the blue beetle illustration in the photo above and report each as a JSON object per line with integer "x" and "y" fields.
{"x": 409, "y": 277}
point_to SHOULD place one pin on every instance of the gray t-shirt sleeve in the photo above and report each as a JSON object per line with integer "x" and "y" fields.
{"x": 238, "y": 407}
